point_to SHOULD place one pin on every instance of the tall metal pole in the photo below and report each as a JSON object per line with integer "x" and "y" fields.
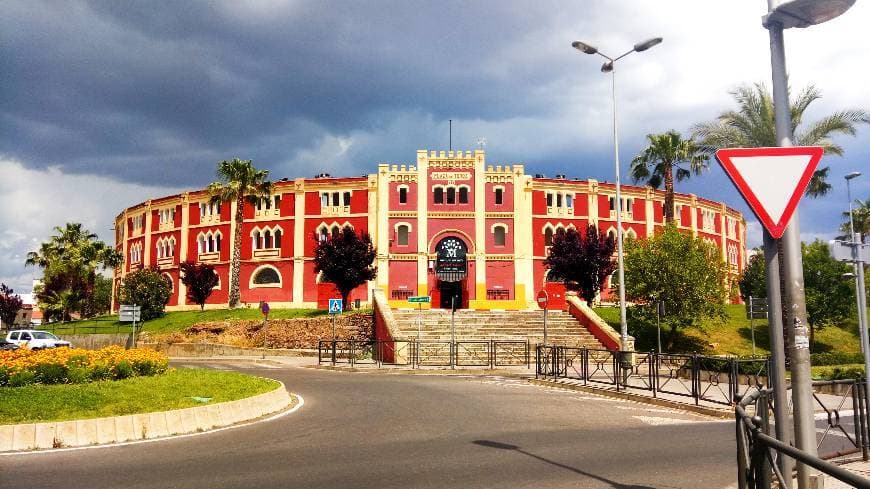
{"x": 623, "y": 323}
{"x": 859, "y": 288}
{"x": 862, "y": 323}
{"x": 545, "y": 326}
{"x": 453, "y": 349}
{"x": 792, "y": 267}
{"x": 782, "y": 420}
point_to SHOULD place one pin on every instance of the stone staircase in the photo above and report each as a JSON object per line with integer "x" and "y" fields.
{"x": 562, "y": 328}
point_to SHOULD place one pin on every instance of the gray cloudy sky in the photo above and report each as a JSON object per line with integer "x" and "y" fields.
{"x": 106, "y": 103}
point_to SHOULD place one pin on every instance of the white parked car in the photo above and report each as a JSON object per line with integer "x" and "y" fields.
{"x": 35, "y": 339}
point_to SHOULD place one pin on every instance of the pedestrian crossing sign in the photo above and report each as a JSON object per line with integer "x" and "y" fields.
{"x": 335, "y": 306}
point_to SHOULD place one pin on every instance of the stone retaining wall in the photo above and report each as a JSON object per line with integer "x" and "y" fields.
{"x": 196, "y": 350}
{"x": 118, "y": 429}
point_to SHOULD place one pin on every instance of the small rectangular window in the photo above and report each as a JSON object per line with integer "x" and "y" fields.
{"x": 324, "y": 200}
{"x": 569, "y": 201}
{"x": 612, "y": 203}
{"x": 402, "y": 237}
{"x": 463, "y": 195}
{"x": 277, "y": 201}
{"x": 451, "y": 195}
{"x": 438, "y": 195}
{"x": 549, "y": 200}
{"x": 347, "y": 198}
{"x": 558, "y": 200}
{"x": 499, "y": 196}
{"x": 403, "y": 195}
{"x": 499, "y": 237}
{"x": 335, "y": 199}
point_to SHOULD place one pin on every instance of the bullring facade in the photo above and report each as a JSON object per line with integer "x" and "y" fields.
{"x": 449, "y": 226}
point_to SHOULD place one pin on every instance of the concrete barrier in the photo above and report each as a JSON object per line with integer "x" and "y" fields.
{"x": 118, "y": 429}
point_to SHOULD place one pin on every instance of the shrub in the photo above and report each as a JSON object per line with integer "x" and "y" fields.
{"x": 836, "y": 358}
{"x": 22, "y": 378}
{"x": 50, "y": 373}
{"x": 148, "y": 289}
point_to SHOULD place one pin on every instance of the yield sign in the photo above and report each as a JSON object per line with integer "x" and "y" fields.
{"x": 772, "y": 180}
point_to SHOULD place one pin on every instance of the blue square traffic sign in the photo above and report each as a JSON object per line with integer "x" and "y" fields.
{"x": 335, "y": 306}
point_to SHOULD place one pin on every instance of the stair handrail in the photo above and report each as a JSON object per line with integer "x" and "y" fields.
{"x": 599, "y": 328}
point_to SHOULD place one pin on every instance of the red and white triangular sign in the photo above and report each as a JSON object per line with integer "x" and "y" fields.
{"x": 772, "y": 180}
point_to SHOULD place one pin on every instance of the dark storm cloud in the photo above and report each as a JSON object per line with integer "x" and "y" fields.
{"x": 155, "y": 91}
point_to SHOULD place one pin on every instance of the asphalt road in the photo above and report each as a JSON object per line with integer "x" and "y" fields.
{"x": 402, "y": 431}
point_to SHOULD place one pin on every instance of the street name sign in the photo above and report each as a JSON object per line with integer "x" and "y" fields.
{"x": 419, "y": 299}
{"x": 335, "y": 306}
{"x": 772, "y": 180}
{"x": 129, "y": 314}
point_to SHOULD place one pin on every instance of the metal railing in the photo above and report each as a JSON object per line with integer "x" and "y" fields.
{"x": 758, "y": 452}
{"x": 702, "y": 378}
{"x": 414, "y": 354}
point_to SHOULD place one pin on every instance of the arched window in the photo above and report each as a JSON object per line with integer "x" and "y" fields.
{"x": 265, "y": 276}
{"x": 463, "y": 195}
{"x": 267, "y": 239}
{"x": 200, "y": 244}
{"x": 451, "y": 195}
{"x": 402, "y": 234}
{"x": 168, "y": 279}
{"x": 278, "y": 238}
{"x": 324, "y": 233}
{"x": 548, "y": 237}
{"x": 438, "y": 195}
{"x": 335, "y": 231}
{"x": 256, "y": 240}
{"x": 499, "y": 235}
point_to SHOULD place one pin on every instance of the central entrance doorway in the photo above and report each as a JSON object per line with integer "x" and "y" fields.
{"x": 451, "y": 293}
{"x": 451, "y": 267}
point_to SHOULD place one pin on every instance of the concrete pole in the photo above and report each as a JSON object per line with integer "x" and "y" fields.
{"x": 862, "y": 322}
{"x": 792, "y": 267}
{"x": 782, "y": 420}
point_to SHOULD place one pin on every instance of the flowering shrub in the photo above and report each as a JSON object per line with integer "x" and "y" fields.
{"x": 76, "y": 366}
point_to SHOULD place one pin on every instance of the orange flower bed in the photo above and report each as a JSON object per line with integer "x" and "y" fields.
{"x": 75, "y": 365}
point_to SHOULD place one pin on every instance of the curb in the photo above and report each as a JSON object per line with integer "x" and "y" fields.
{"x": 706, "y": 411}
{"x": 145, "y": 426}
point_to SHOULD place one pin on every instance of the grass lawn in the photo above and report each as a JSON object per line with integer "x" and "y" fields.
{"x": 732, "y": 336}
{"x": 172, "y": 390}
{"x": 174, "y": 321}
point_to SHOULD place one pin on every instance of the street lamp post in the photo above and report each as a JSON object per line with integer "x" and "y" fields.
{"x": 608, "y": 67}
{"x": 861, "y": 325}
{"x": 782, "y": 15}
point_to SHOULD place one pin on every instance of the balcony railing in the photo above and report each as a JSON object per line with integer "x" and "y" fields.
{"x": 267, "y": 253}
{"x": 335, "y": 210}
{"x": 209, "y": 257}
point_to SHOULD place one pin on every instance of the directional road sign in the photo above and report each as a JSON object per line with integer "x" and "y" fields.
{"x": 335, "y": 306}
{"x": 129, "y": 314}
{"x": 842, "y": 251}
{"x": 419, "y": 298}
{"x": 772, "y": 180}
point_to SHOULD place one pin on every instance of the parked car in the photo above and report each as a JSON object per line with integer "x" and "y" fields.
{"x": 7, "y": 345}
{"x": 35, "y": 339}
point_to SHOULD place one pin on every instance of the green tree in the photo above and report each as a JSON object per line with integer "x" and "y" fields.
{"x": 861, "y": 217}
{"x": 102, "y": 298}
{"x": 829, "y": 297}
{"x": 148, "y": 289}
{"x": 241, "y": 182}
{"x": 10, "y": 304}
{"x": 200, "y": 280}
{"x": 752, "y": 125}
{"x": 346, "y": 260}
{"x": 665, "y": 154}
{"x": 584, "y": 260}
{"x": 684, "y": 272}
{"x": 70, "y": 260}
{"x": 753, "y": 280}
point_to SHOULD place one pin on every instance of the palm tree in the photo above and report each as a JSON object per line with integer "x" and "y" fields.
{"x": 752, "y": 125}
{"x": 667, "y": 152}
{"x": 69, "y": 260}
{"x": 861, "y": 216}
{"x": 241, "y": 183}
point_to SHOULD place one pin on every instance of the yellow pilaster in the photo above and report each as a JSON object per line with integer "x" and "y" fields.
{"x": 480, "y": 231}
{"x": 147, "y": 251}
{"x": 592, "y": 199}
{"x": 650, "y": 212}
{"x": 694, "y": 216}
{"x": 383, "y": 231}
{"x": 183, "y": 246}
{"x": 422, "y": 222}
{"x": 523, "y": 236}
{"x": 298, "y": 239}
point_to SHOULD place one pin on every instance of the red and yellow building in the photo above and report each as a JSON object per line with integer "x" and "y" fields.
{"x": 448, "y": 225}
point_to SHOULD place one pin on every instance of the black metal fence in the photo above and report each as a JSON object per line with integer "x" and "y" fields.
{"x": 702, "y": 378}
{"x": 414, "y": 354}
{"x": 758, "y": 453}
